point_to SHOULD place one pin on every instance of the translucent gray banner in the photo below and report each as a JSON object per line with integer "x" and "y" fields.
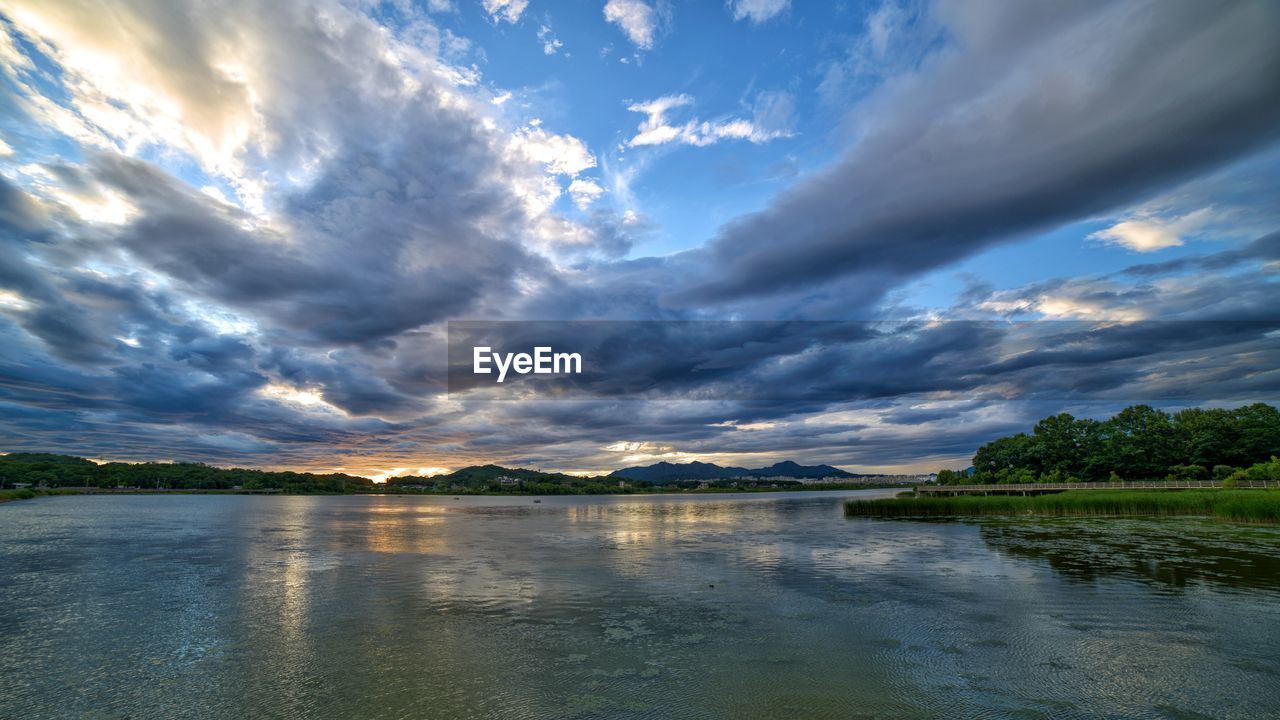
{"x": 825, "y": 361}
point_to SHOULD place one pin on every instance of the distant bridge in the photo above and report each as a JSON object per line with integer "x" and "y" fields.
{"x": 1039, "y": 488}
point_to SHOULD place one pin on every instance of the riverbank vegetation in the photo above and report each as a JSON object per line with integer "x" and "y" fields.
{"x": 28, "y": 493}
{"x": 1252, "y": 506}
{"x": 33, "y": 472}
{"x": 1138, "y": 443}
{"x": 43, "y": 470}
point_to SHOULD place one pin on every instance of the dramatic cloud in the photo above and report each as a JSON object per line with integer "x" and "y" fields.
{"x": 1034, "y": 115}
{"x": 235, "y": 233}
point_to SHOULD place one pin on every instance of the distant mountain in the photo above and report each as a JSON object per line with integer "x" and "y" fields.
{"x": 796, "y": 470}
{"x": 476, "y": 475}
{"x": 493, "y": 472}
{"x": 667, "y": 472}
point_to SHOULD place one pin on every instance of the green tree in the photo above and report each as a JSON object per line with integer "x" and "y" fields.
{"x": 1206, "y": 437}
{"x": 1258, "y": 427}
{"x": 1068, "y": 446}
{"x": 951, "y": 477}
{"x": 1139, "y": 442}
{"x": 1004, "y": 455}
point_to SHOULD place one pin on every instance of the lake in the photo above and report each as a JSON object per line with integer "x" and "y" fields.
{"x": 705, "y": 606}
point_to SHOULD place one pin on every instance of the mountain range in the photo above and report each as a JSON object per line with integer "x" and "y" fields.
{"x": 665, "y": 471}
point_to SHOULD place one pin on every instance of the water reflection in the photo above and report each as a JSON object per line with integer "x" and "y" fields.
{"x": 649, "y": 607}
{"x": 1166, "y": 553}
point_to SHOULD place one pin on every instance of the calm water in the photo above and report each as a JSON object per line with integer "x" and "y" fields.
{"x": 647, "y": 607}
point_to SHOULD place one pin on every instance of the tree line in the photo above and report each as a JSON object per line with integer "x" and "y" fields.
{"x": 46, "y": 470}
{"x": 54, "y": 471}
{"x": 1138, "y": 443}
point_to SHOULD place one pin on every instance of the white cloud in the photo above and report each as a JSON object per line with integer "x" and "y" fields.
{"x": 757, "y": 11}
{"x": 88, "y": 201}
{"x": 1145, "y": 233}
{"x": 550, "y": 43}
{"x": 637, "y": 19}
{"x": 5, "y": 150}
{"x": 560, "y": 154}
{"x": 509, "y": 10}
{"x": 655, "y": 130}
{"x": 585, "y": 191}
{"x": 1070, "y": 302}
{"x": 555, "y": 155}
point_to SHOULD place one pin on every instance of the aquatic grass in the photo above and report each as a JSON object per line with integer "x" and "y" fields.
{"x": 28, "y": 493}
{"x": 1253, "y": 506}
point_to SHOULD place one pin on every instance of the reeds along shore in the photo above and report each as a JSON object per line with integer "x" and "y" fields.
{"x": 1251, "y": 506}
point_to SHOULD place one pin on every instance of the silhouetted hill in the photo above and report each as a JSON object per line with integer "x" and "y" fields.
{"x": 480, "y": 474}
{"x": 666, "y": 472}
{"x": 45, "y": 458}
{"x": 50, "y": 470}
{"x": 796, "y": 470}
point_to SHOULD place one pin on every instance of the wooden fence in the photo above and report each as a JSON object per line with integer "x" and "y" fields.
{"x": 1031, "y": 488}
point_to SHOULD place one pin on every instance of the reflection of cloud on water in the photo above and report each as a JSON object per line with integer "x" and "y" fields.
{"x": 1169, "y": 553}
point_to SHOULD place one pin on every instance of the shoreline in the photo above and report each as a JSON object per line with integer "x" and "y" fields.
{"x": 14, "y": 495}
{"x": 1241, "y": 506}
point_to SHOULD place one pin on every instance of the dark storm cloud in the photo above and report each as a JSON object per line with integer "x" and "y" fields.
{"x": 780, "y": 369}
{"x": 19, "y": 216}
{"x": 363, "y": 261}
{"x": 938, "y": 389}
{"x": 347, "y": 382}
{"x": 178, "y": 388}
{"x": 409, "y": 218}
{"x": 1036, "y": 114}
{"x": 406, "y": 215}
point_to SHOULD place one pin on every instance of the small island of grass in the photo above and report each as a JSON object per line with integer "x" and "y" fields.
{"x": 1251, "y": 506}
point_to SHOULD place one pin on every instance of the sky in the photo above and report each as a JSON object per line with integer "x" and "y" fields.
{"x": 235, "y": 232}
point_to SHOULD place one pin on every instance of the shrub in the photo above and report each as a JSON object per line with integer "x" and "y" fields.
{"x": 1266, "y": 472}
{"x": 1052, "y": 477}
{"x": 1187, "y": 472}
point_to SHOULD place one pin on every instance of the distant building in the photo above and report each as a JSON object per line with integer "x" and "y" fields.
{"x": 504, "y": 480}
